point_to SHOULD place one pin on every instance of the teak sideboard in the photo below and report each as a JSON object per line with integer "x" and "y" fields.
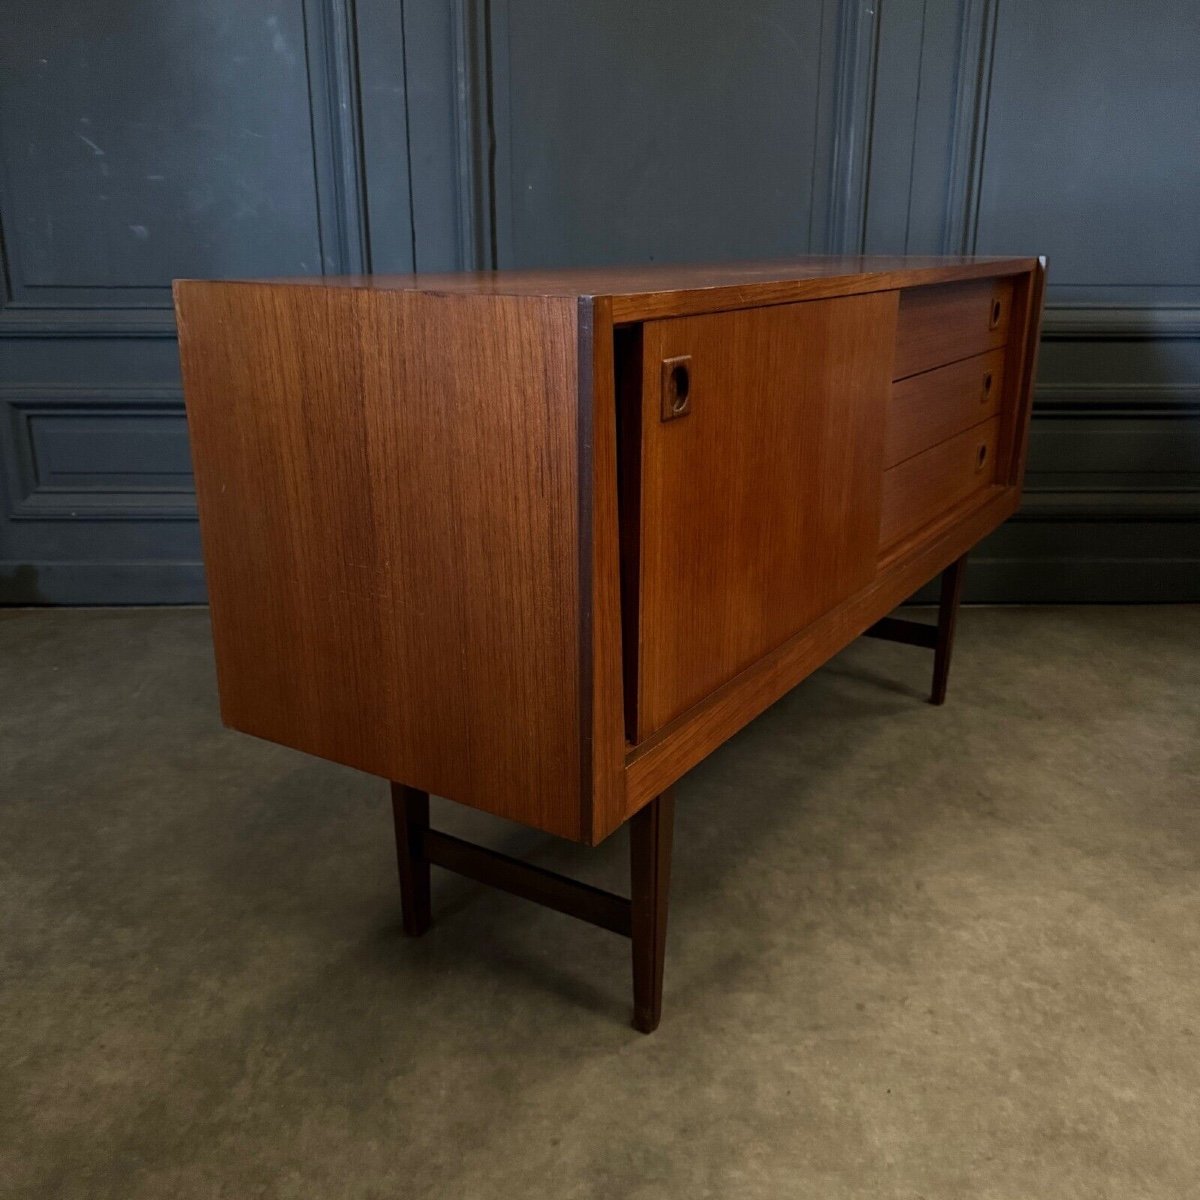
{"x": 539, "y": 542}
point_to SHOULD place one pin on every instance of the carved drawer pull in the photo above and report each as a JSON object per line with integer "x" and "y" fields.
{"x": 676, "y": 386}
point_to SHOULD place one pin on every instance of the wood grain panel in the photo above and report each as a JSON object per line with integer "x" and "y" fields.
{"x": 603, "y": 645}
{"x": 389, "y": 501}
{"x": 647, "y": 291}
{"x": 668, "y": 755}
{"x": 926, "y": 485}
{"x": 929, "y": 408}
{"x": 760, "y": 506}
{"x": 942, "y": 324}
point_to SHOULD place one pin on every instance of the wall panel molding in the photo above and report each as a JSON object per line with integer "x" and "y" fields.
{"x": 1112, "y": 502}
{"x": 114, "y": 454}
{"x": 428, "y": 140}
{"x": 1166, "y": 400}
{"x": 120, "y": 581}
{"x": 1106, "y": 505}
{"x": 968, "y": 130}
{"x": 18, "y": 322}
{"x": 923, "y": 108}
{"x": 228, "y": 139}
{"x": 478, "y": 26}
{"x": 335, "y": 108}
{"x": 335, "y": 127}
{"x": 409, "y": 144}
{"x": 1099, "y": 323}
{"x": 684, "y": 129}
{"x": 855, "y": 63}
{"x": 1114, "y": 453}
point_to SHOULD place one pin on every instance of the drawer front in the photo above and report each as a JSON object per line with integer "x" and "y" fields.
{"x": 761, "y": 455}
{"x": 929, "y": 408}
{"x": 940, "y": 325}
{"x": 921, "y": 488}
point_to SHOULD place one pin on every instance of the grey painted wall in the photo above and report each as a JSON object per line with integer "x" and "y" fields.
{"x": 1069, "y": 128}
{"x": 139, "y": 142}
{"x": 142, "y": 140}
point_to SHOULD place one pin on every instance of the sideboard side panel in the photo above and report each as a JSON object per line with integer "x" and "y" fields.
{"x": 388, "y": 487}
{"x": 1026, "y": 339}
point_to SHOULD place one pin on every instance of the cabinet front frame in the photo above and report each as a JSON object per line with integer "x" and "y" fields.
{"x": 657, "y": 760}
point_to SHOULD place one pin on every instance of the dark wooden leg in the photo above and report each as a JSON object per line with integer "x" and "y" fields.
{"x": 650, "y": 835}
{"x": 642, "y": 917}
{"x": 952, "y": 586}
{"x": 410, "y": 808}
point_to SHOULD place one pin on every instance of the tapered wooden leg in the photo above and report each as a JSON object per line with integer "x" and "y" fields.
{"x": 952, "y": 586}
{"x": 650, "y": 836}
{"x": 410, "y": 808}
{"x": 642, "y": 917}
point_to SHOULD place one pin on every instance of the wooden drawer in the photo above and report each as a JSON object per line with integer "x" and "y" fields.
{"x": 943, "y": 324}
{"x": 923, "y": 487}
{"x": 929, "y": 408}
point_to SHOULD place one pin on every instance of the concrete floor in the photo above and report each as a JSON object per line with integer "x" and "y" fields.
{"x": 913, "y": 952}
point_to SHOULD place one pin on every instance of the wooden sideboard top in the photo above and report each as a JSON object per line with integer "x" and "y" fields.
{"x": 655, "y": 290}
